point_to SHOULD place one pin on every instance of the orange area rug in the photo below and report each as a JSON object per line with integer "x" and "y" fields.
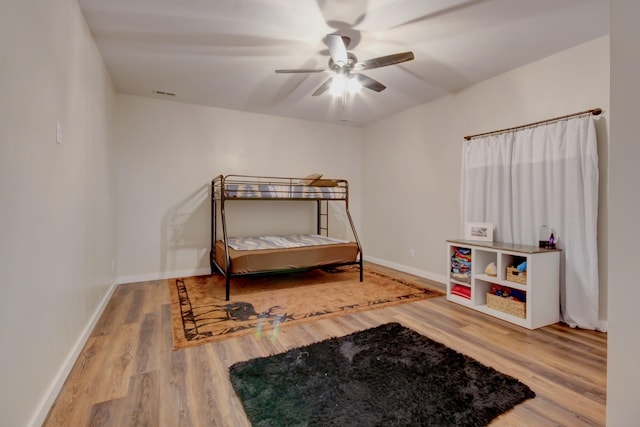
{"x": 262, "y": 304}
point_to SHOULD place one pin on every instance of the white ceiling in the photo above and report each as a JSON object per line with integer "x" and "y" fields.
{"x": 223, "y": 53}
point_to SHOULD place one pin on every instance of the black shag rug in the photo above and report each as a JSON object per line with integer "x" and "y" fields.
{"x": 384, "y": 376}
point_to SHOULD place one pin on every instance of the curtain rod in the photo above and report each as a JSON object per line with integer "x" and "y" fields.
{"x": 594, "y": 111}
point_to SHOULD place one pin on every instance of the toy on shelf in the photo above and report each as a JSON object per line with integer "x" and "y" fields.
{"x": 491, "y": 269}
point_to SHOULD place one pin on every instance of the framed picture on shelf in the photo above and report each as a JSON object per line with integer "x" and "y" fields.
{"x": 482, "y": 231}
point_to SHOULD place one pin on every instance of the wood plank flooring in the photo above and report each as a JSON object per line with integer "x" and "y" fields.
{"x": 129, "y": 375}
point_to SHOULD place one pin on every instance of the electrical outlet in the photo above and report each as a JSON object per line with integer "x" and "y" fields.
{"x": 412, "y": 253}
{"x": 58, "y": 133}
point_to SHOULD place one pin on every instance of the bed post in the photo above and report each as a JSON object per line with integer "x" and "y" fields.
{"x": 225, "y": 237}
{"x": 212, "y": 251}
{"x": 353, "y": 230}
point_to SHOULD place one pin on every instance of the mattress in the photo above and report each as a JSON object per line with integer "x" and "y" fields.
{"x": 281, "y": 242}
{"x": 253, "y": 261}
{"x": 271, "y": 191}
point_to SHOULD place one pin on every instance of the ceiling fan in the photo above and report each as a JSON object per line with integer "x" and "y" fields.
{"x": 347, "y": 69}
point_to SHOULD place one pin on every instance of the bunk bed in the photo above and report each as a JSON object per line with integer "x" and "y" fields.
{"x": 241, "y": 256}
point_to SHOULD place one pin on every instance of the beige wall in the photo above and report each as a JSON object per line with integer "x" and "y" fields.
{"x": 623, "y": 370}
{"x": 168, "y": 153}
{"x": 57, "y": 219}
{"x": 412, "y": 161}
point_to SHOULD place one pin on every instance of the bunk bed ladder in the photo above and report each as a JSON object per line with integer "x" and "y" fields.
{"x": 323, "y": 217}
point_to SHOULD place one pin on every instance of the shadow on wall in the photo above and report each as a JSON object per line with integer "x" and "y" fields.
{"x": 185, "y": 232}
{"x": 339, "y": 226}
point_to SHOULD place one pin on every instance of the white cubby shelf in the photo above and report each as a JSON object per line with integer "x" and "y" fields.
{"x": 541, "y": 288}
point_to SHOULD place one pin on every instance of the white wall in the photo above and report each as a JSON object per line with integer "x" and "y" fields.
{"x": 623, "y": 370}
{"x": 412, "y": 161}
{"x": 57, "y": 219}
{"x": 59, "y": 222}
{"x": 168, "y": 152}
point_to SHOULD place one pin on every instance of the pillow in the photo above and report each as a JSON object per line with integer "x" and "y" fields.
{"x": 309, "y": 179}
{"x": 324, "y": 183}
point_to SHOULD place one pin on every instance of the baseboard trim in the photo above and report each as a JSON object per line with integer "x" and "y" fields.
{"x": 42, "y": 410}
{"x": 163, "y": 275}
{"x": 407, "y": 269}
{"x": 206, "y": 271}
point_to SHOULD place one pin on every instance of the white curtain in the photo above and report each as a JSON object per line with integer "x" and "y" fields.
{"x": 544, "y": 175}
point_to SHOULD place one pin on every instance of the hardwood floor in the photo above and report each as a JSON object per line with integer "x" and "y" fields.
{"x": 129, "y": 375}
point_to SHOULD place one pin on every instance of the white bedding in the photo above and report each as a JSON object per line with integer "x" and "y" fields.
{"x": 280, "y": 242}
{"x": 269, "y": 191}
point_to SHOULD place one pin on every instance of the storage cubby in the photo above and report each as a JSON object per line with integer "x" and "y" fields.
{"x": 509, "y": 271}
{"x": 484, "y": 258}
{"x": 460, "y": 264}
{"x": 534, "y": 295}
{"x": 507, "y": 305}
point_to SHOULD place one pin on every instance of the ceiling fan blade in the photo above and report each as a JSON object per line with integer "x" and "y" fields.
{"x": 370, "y": 83}
{"x": 323, "y": 87}
{"x": 383, "y": 61}
{"x": 337, "y": 49}
{"x": 301, "y": 71}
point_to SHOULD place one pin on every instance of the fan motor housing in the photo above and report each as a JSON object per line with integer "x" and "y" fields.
{"x": 351, "y": 61}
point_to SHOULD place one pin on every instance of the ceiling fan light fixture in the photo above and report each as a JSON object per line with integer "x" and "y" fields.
{"x": 338, "y": 85}
{"x": 354, "y": 85}
{"x": 343, "y": 63}
{"x": 342, "y": 84}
